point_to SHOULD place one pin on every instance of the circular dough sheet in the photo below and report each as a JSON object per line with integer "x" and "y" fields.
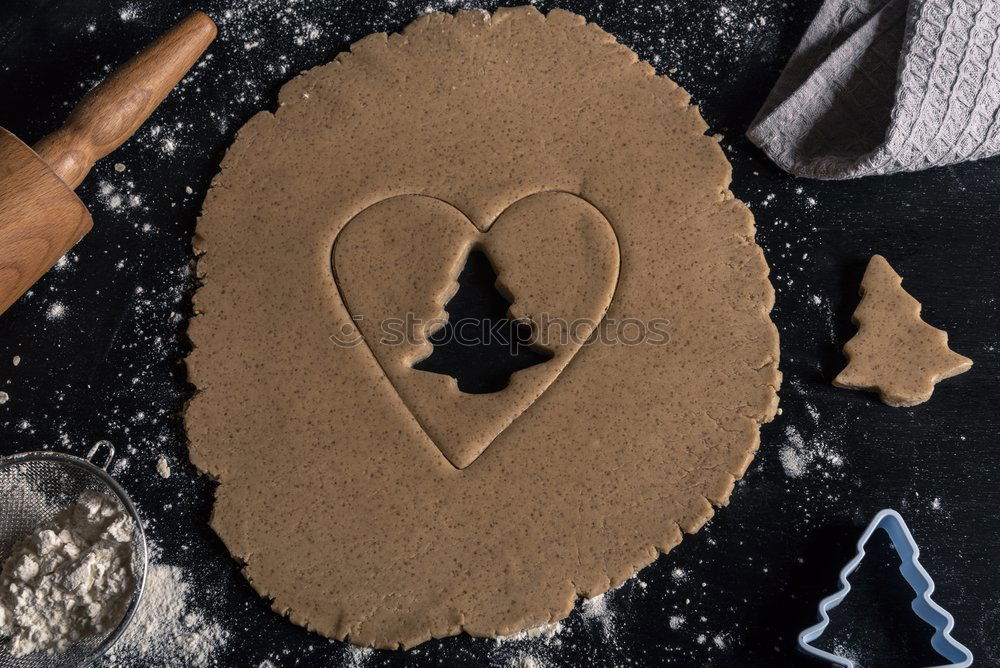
{"x": 346, "y": 512}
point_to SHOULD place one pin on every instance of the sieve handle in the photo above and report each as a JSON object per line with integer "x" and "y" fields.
{"x": 102, "y": 445}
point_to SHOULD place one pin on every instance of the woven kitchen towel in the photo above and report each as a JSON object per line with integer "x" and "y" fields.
{"x": 884, "y": 86}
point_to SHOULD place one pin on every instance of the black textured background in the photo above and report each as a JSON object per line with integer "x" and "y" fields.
{"x": 109, "y": 366}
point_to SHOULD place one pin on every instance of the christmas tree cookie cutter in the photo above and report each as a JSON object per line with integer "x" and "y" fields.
{"x": 923, "y": 605}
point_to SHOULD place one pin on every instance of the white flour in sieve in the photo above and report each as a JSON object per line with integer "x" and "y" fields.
{"x": 71, "y": 578}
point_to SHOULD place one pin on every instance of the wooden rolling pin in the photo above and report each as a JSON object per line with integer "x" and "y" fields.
{"x": 40, "y": 216}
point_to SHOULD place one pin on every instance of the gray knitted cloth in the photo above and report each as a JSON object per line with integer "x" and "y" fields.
{"x": 883, "y": 86}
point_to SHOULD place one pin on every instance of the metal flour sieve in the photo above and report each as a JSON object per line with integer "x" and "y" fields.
{"x": 54, "y": 481}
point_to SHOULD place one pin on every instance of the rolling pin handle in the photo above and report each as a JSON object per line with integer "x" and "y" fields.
{"x": 110, "y": 113}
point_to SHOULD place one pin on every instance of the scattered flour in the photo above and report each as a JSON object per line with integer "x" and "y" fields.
{"x": 358, "y": 657}
{"x": 531, "y": 648}
{"x": 128, "y": 13}
{"x": 797, "y": 456}
{"x": 546, "y": 631}
{"x": 527, "y": 661}
{"x": 120, "y": 466}
{"x": 595, "y": 607}
{"x": 55, "y": 311}
{"x": 598, "y": 609}
{"x": 4, "y": 398}
{"x": 792, "y": 461}
{"x": 121, "y": 197}
{"x": 845, "y": 652}
{"x": 70, "y": 579}
{"x": 167, "y": 629}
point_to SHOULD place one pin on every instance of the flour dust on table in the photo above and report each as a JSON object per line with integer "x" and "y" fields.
{"x": 169, "y": 629}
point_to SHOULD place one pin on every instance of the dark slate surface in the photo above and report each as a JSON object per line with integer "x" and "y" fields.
{"x": 101, "y": 338}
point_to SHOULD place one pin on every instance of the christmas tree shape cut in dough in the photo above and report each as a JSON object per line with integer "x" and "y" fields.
{"x": 895, "y": 352}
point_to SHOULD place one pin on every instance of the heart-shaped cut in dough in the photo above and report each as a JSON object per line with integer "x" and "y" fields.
{"x": 397, "y": 261}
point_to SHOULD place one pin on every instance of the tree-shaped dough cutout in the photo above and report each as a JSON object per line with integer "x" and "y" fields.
{"x": 895, "y": 352}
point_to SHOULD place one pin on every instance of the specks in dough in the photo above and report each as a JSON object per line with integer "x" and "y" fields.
{"x": 894, "y": 351}
{"x": 627, "y": 449}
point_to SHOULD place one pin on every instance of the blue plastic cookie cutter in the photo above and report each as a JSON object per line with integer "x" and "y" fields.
{"x": 929, "y": 611}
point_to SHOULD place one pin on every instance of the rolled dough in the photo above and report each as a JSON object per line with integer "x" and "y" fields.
{"x": 373, "y": 507}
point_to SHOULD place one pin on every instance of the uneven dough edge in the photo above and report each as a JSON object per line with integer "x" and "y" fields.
{"x": 719, "y": 483}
